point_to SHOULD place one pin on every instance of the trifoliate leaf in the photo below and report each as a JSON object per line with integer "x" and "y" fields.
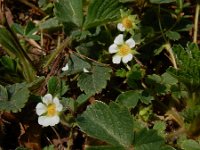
{"x": 110, "y": 123}
{"x": 16, "y": 98}
{"x": 95, "y": 80}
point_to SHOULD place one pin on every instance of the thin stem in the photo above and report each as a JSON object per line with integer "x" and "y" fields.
{"x": 171, "y": 54}
{"x": 167, "y": 45}
{"x": 196, "y": 22}
{"x": 59, "y": 48}
{"x": 70, "y": 140}
{"x": 163, "y": 32}
{"x": 160, "y": 25}
{"x": 32, "y": 6}
{"x": 172, "y": 113}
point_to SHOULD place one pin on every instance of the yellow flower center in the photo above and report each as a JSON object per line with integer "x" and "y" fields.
{"x": 124, "y": 50}
{"x": 51, "y": 110}
{"x": 127, "y": 23}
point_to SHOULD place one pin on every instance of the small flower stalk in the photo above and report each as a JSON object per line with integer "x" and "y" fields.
{"x": 48, "y": 111}
{"x": 123, "y": 50}
{"x": 127, "y": 22}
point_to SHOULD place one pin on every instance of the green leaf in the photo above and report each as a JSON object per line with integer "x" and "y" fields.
{"x": 145, "y": 97}
{"x": 56, "y": 86}
{"x": 172, "y": 35}
{"x": 121, "y": 73}
{"x": 16, "y": 98}
{"x": 22, "y": 148}
{"x": 3, "y": 93}
{"x": 9, "y": 63}
{"x": 69, "y": 11}
{"x": 161, "y": 84}
{"x": 13, "y": 48}
{"x": 129, "y": 98}
{"x": 49, "y": 24}
{"x": 167, "y": 147}
{"x": 101, "y": 12}
{"x": 103, "y": 148}
{"x": 168, "y": 79}
{"x": 69, "y": 103}
{"x": 83, "y": 98}
{"x": 190, "y": 145}
{"x": 50, "y": 147}
{"x": 95, "y": 80}
{"x": 112, "y": 124}
{"x": 148, "y": 140}
{"x": 18, "y": 28}
{"x": 9, "y": 43}
{"x": 160, "y": 126}
{"x": 189, "y": 66}
{"x": 30, "y": 29}
{"x": 76, "y": 64}
{"x": 135, "y": 75}
{"x": 125, "y": 1}
{"x": 162, "y": 1}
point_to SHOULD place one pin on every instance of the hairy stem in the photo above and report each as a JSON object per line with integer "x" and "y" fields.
{"x": 196, "y": 22}
{"x": 171, "y": 54}
{"x": 59, "y": 48}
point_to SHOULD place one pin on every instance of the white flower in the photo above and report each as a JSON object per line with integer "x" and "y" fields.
{"x": 48, "y": 111}
{"x": 122, "y": 49}
{"x": 127, "y": 22}
{"x": 66, "y": 67}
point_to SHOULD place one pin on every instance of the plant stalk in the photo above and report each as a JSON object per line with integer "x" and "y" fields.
{"x": 59, "y": 48}
{"x": 171, "y": 54}
{"x": 196, "y": 22}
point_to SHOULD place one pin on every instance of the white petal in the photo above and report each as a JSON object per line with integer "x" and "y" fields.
{"x": 66, "y": 67}
{"x": 130, "y": 42}
{"x": 113, "y": 48}
{"x": 127, "y": 58}
{"x": 47, "y": 99}
{"x": 54, "y": 120}
{"x": 40, "y": 109}
{"x": 43, "y": 120}
{"x": 59, "y": 106}
{"x": 120, "y": 27}
{"x": 85, "y": 70}
{"x": 116, "y": 59}
{"x": 48, "y": 121}
{"x": 119, "y": 40}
